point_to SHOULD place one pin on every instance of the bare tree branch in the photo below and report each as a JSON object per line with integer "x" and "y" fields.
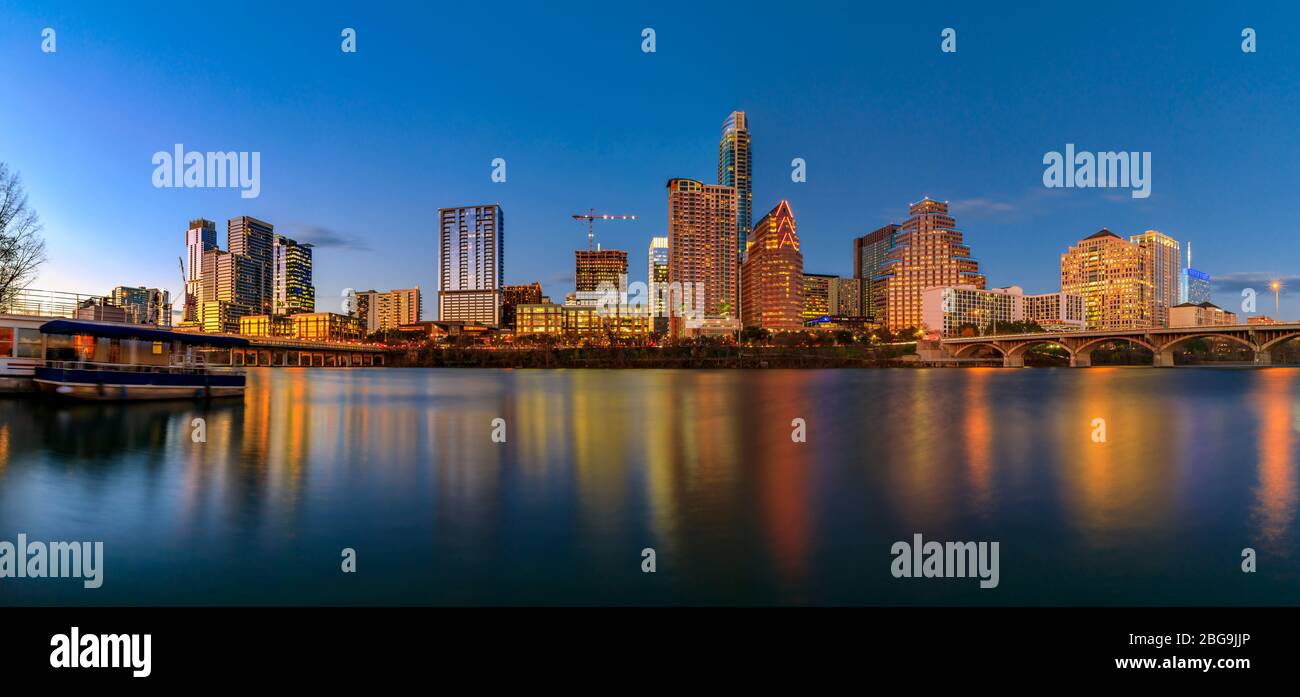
{"x": 22, "y": 250}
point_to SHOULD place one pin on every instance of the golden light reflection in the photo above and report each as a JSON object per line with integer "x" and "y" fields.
{"x": 978, "y": 433}
{"x": 1275, "y": 490}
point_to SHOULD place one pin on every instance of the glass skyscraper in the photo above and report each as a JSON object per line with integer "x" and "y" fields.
{"x": 471, "y": 263}
{"x": 736, "y": 170}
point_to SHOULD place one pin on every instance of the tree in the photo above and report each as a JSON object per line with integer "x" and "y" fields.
{"x": 21, "y": 248}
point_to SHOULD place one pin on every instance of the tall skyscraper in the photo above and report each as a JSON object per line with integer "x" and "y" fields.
{"x": 735, "y": 169}
{"x": 254, "y": 239}
{"x": 230, "y": 281}
{"x": 702, "y": 248}
{"x": 292, "y": 289}
{"x": 870, "y": 254}
{"x": 200, "y": 237}
{"x": 772, "y": 277}
{"x": 1194, "y": 286}
{"x": 1163, "y": 264}
{"x": 1115, "y": 280}
{"x": 657, "y": 283}
{"x": 471, "y": 263}
{"x": 598, "y": 269}
{"x": 929, "y": 251}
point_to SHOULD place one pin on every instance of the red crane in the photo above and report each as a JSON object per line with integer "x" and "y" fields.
{"x": 591, "y": 216}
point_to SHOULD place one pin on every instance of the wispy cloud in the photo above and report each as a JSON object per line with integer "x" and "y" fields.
{"x": 1259, "y": 280}
{"x": 324, "y": 237}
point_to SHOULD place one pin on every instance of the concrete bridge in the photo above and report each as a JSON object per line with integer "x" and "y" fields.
{"x": 264, "y": 351}
{"x": 1260, "y": 339}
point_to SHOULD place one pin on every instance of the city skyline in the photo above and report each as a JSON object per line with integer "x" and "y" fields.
{"x": 991, "y": 173}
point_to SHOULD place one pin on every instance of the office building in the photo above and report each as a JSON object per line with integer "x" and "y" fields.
{"x": 702, "y": 258}
{"x": 514, "y": 296}
{"x": 870, "y": 256}
{"x": 772, "y": 274}
{"x": 816, "y": 295}
{"x": 1163, "y": 261}
{"x": 1055, "y": 312}
{"x": 597, "y": 273}
{"x": 1114, "y": 279}
{"x": 143, "y": 305}
{"x": 929, "y": 252}
{"x": 471, "y": 263}
{"x": 1194, "y": 286}
{"x": 657, "y": 283}
{"x": 844, "y": 297}
{"x": 966, "y": 310}
{"x": 200, "y": 237}
{"x": 254, "y": 239}
{"x": 380, "y": 311}
{"x": 735, "y": 170}
{"x": 291, "y": 277}
{"x": 1202, "y": 314}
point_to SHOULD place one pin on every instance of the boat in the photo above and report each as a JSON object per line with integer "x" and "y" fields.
{"x": 113, "y": 361}
{"x": 20, "y": 351}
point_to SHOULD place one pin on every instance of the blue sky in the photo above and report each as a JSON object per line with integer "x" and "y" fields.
{"x": 359, "y": 150}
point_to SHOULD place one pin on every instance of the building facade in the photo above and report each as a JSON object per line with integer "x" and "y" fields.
{"x": 929, "y": 251}
{"x": 702, "y": 258}
{"x": 844, "y": 297}
{"x": 291, "y": 277}
{"x": 772, "y": 274}
{"x": 816, "y": 295}
{"x": 1193, "y": 286}
{"x": 870, "y": 256}
{"x": 255, "y": 240}
{"x": 596, "y": 271}
{"x": 471, "y": 263}
{"x": 1202, "y": 314}
{"x": 200, "y": 237}
{"x": 1055, "y": 312}
{"x": 657, "y": 283}
{"x": 735, "y": 169}
{"x": 1114, "y": 279}
{"x": 968, "y": 310}
{"x": 1163, "y": 261}
{"x": 514, "y": 296}
{"x": 380, "y": 311}
{"x": 144, "y": 305}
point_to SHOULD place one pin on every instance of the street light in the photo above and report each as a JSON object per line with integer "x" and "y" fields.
{"x": 1277, "y": 291}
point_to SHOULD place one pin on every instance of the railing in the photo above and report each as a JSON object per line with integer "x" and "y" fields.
{"x": 140, "y": 368}
{"x": 57, "y": 303}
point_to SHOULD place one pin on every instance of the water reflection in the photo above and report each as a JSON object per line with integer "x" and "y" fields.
{"x": 699, "y": 465}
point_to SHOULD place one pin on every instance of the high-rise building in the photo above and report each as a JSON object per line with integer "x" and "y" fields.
{"x": 1114, "y": 279}
{"x": 514, "y": 296}
{"x": 230, "y": 284}
{"x": 597, "y": 271}
{"x": 200, "y": 237}
{"x": 471, "y": 263}
{"x": 816, "y": 295}
{"x": 929, "y": 251}
{"x": 1194, "y": 286}
{"x": 772, "y": 275}
{"x": 1163, "y": 263}
{"x": 292, "y": 289}
{"x": 844, "y": 297}
{"x": 381, "y": 311}
{"x": 870, "y": 254}
{"x": 657, "y": 283}
{"x": 255, "y": 239}
{"x": 735, "y": 169}
{"x": 702, "y": 258}
{"x": 144, "y": 305}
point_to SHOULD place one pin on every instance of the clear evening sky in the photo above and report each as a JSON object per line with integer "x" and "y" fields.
{"x": 359, "y": 150}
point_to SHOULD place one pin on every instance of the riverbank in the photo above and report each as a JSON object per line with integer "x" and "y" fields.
{"x": 660, "y": 357}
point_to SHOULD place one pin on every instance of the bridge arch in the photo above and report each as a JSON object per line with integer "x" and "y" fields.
{"x": 1088, "y": 346}
{"x": 1209, "y": 335}
{"x": 1023, "y": 348}
{"x": 965, "y": 350}
{"x": 1280, "y": 340}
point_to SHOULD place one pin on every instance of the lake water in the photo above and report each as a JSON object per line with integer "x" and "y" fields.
{"x": 400, "y": 465}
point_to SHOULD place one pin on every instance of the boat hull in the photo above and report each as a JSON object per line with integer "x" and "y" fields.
{"x": 127, "y": 385}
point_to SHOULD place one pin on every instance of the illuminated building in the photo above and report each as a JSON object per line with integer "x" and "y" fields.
{"x": 772, "y": 276}
{"x": 965, "y": 309}
{"x": 1194, "y": 286}
{"x": 306, "y": 326}
{"x": 1163, "y": 260}
{"x": 844, "y": 297}
{"x": 513, "y": 296}
{"x": 199, "y": 238}
{"x": 229, "y": 287}
{"x": 1114, "y": 280}
{"x": 539, "y": 318}
{"x": 701, "y": 250}
{"x": 471, "y": 263}
{"x": 292, "y": 290}
{"x": 384, "y": 310}
{"x": 736, "y": 170}
{"x": 1203, "y": 314}
{"x": 255, "y": 240}
{"x": 816, "y": 295}
{"x": 870, "y": 255}
{"x": 144, "y": 305}
{"x": 928, "y": 252}
{"x": 597, "y": 272}
{"x": 657, "y": 283}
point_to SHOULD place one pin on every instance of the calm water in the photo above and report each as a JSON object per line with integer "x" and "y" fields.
{"x": 399, "y": 465}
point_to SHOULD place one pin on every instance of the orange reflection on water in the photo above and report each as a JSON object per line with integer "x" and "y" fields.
{"x": 979, "y": 437}
{"x": 1275, "y": 490}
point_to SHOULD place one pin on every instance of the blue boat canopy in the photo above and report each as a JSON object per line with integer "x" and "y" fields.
{"x": 144, "y": 333}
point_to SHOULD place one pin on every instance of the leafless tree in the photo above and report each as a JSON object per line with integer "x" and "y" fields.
{"x": 22, "y": 250}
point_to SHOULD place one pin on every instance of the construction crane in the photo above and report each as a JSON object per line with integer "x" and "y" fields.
{"x": 591, "y": 216}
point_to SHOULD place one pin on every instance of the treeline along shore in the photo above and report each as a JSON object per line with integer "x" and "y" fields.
{"x": 677, "y": 356}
